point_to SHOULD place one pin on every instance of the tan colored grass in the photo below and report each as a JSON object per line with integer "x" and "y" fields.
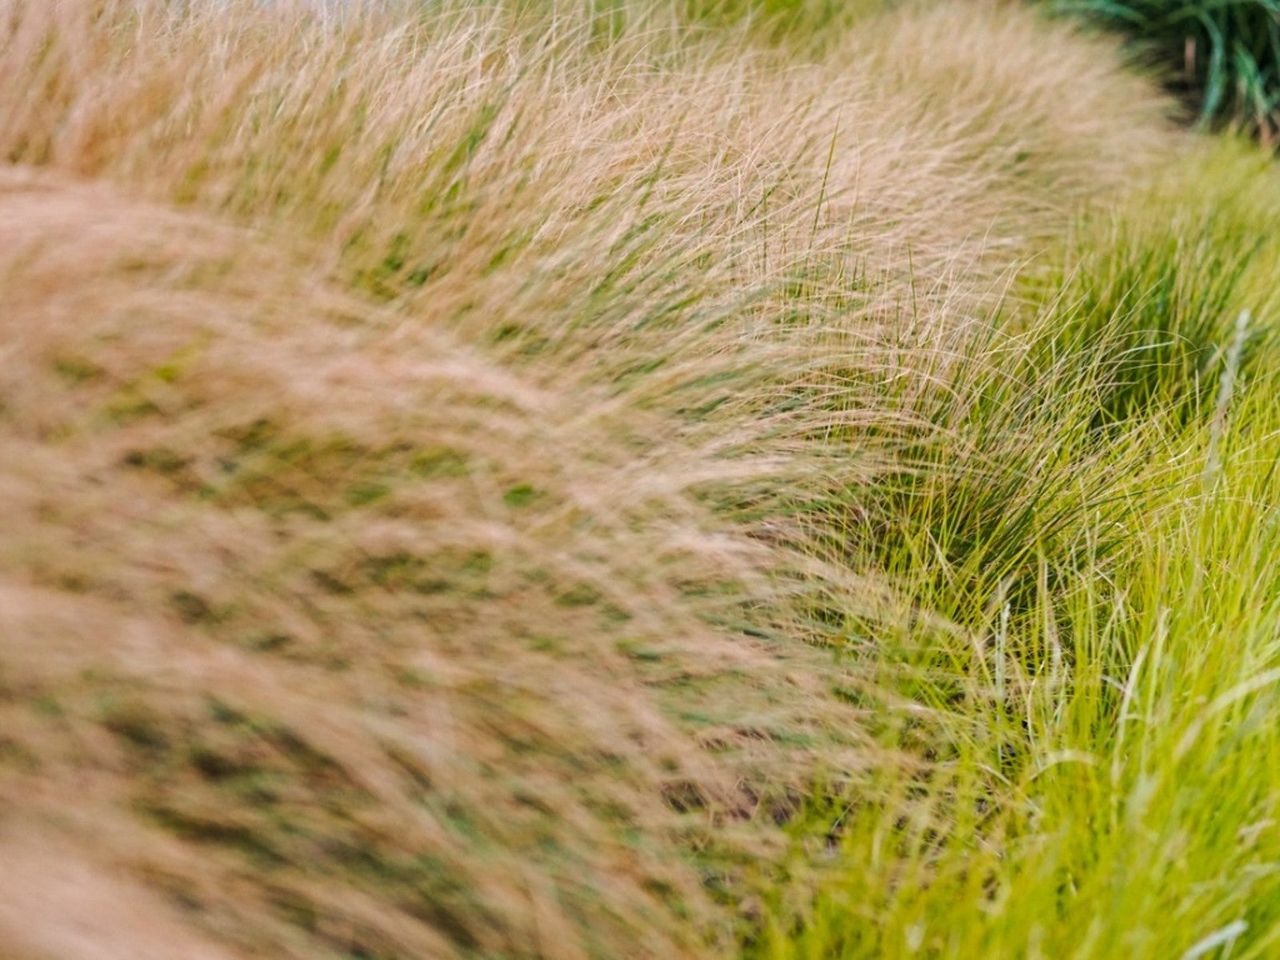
{"x": 402, "y": 428}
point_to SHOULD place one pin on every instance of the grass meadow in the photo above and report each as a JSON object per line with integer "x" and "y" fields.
{"x": 630, "y": 479}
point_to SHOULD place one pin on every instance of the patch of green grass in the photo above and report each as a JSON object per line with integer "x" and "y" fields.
{"x": 1224, "y": 54}
{"x": 1096, "y": 744}
{"x": 779, "y": 18}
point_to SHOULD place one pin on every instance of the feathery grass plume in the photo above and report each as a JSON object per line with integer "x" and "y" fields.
{"x": 1226, "y": 392}
{"x": 471, "y": 470}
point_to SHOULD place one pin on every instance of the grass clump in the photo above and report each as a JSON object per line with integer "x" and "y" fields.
{"x": 1224, "y": 55}
{"x": 1084, "y": 717}
{"x": 625, "y": 479}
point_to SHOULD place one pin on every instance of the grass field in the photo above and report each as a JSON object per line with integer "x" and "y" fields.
{"x": 628, "y": 479}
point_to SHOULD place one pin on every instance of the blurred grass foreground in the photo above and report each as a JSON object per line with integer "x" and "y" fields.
{"x": 635, "y": 479}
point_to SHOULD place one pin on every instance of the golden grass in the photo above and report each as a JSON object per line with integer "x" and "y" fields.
{"x": 405, "y": 425}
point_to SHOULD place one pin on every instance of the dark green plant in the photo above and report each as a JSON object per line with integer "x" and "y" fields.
{"x": 1224, "y": 55}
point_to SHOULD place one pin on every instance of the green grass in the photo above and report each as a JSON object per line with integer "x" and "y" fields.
{"x": 1225, "y": 54}
{"x": 1103, "y": 762}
